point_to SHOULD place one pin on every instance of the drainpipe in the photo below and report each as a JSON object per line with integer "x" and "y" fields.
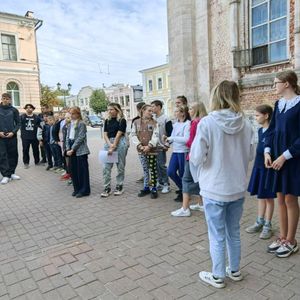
{"x": 37, "y": 26}
{"x": 297, "y": 34}
{"x": 234, "y": 34}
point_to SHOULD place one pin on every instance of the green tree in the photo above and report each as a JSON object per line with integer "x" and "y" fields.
{"x": 98, "y": 101}
{"x": 49, "y": 96}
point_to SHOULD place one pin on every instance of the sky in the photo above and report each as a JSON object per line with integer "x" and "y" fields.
{"x": 95, "y": 42}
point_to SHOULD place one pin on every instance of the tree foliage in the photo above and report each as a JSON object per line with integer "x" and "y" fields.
{"x": 49, "y": 96}
{"x": 98, "y": 101}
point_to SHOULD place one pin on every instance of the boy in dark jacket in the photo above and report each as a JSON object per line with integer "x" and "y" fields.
{"x": 9, "y": 126}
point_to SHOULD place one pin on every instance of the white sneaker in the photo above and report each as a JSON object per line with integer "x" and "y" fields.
{"x": 235, "y": 276}
{"x": 209, "y": 278}
{"x": 181, "y": 212}
{"x": 5, "y": 180}
{"x": 15, "y": 177}
{"x": 197, "y": 207}
{"x": 165, "y": 189}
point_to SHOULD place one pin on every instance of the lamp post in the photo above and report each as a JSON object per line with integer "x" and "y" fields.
{"x": 65, "y": 91}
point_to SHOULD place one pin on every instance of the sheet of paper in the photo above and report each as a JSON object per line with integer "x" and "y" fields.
{"x": 105, "y": 158}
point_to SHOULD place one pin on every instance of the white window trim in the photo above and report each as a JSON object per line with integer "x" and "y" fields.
{"x": 269, "y": 43}
{"x": 17, "y": 45}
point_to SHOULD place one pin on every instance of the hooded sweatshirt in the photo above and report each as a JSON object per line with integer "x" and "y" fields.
{"x": 220, "y": 154}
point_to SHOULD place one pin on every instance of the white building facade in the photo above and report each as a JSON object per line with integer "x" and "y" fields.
{"x": 127, "y": 96}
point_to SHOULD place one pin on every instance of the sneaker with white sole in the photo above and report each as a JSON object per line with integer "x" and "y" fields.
{"x": 266, "y": 233}
{"x": 256, "y": 227}
{"x": 119, "y": 190}
{"x": 106, "y": 192}
{"x": 181, "y": 212}
{"x": 197, "y": 207}
{"x": 166, "y": 189}
{"x": 211, "y": 280}
{"x": 15, "y": 177}
{"x": 286, "y": 249}
{"x": 5, "y": 180}
{"x": 235, "y": 276}
{"x": 275, "y": 245}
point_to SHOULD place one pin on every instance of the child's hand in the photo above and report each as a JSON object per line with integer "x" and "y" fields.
{"x": 278, "y": 163}
{"x": 268, "y": 161}
{"x": 164, "y": 138}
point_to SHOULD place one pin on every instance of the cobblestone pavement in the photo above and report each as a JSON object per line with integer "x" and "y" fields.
{"x": 53, "y": 246}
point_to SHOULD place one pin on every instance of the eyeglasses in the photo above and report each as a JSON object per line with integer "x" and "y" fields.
{"x": 275, "y": 83}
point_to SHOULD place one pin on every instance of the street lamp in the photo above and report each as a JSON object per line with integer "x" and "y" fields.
{"x": 65, "y": 91}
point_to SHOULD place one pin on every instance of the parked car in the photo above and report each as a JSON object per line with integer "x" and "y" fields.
{"x": 94, "y": 121}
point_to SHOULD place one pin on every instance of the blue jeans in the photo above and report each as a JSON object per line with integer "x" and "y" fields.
{"x": 57, "y": 155}
{"x": 223, "y": 222}
{"x": 122, "y": 152}
{"x": 176, "y": 168}
{"x": 161, "y": 167}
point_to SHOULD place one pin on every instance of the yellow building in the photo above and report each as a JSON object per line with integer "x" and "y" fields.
{"x": 156, "y": 87}
{"x": 19, "y": 68}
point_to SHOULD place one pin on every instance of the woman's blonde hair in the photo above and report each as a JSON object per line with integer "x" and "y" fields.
{"x": 185, "y": 110}
{"x": 144, "y": 107}
{"x": 199, "y": 108}
{"x": 117, "y": 107}
{"x": 77, "y": 111}
{"x": 226, "y": 95}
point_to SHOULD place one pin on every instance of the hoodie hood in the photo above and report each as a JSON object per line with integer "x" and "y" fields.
{"x": 230, "y": 122}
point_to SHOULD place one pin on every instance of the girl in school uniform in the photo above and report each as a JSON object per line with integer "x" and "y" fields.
{"x": 282, "y": 153}
{"x": 145, "y": 135}
{"x": 257, "y": 183}
{"x": 78, "y": 151}
{"x": 197, "y": 111}
{"x": 219, "y": 160}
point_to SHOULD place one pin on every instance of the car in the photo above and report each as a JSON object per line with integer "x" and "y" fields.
{"x": 94, "y": 121}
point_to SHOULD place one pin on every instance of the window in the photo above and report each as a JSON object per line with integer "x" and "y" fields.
{"x": 150, "y": 87}
{"x": 122, "y": 100}
{"x": 159, "y": 83}
{"x": 13, "y": 89}
{"x": 127, "y": 100}
{"x": 269, "y": 31}
{"x": 9, "y": 51}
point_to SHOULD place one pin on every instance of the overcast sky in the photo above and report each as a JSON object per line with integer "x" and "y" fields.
{"x": 90, "y": 42}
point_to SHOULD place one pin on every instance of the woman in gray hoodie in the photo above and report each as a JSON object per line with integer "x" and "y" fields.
{"x": 219, "y": 159}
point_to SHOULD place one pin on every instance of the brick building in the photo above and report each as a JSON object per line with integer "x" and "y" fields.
{"x": 244, "y": 40}
{"x": 19, "y": 67}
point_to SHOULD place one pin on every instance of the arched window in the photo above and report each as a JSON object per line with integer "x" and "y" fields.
{"x": 13, "y": 89}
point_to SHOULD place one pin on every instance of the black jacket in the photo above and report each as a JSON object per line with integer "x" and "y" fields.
{"x": 9, "y": 119}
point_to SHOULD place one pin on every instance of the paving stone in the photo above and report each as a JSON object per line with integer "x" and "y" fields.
{"x": 53, "y": 247}
{"x": 121, "y": 286}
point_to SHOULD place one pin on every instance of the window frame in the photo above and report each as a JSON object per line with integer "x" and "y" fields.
{"x": 12, "y": 93}
{"x": 150, "y": 90}
{"x": 159, "y": 79}
{"x": 269, "y": 43}
{"x": 16, "y": 46}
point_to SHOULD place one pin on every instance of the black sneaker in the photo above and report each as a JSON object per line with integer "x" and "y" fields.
{"x": 179, "y": 198}
{"x": 144, "y": 192}
{"x": 154, "y": 194}
{"x": 106, "y": 193}
{"x": 119, "y": 190}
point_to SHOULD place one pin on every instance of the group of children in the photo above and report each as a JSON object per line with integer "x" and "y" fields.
{"x": 62, "y": 138}
{"x": 210, "y": 157}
